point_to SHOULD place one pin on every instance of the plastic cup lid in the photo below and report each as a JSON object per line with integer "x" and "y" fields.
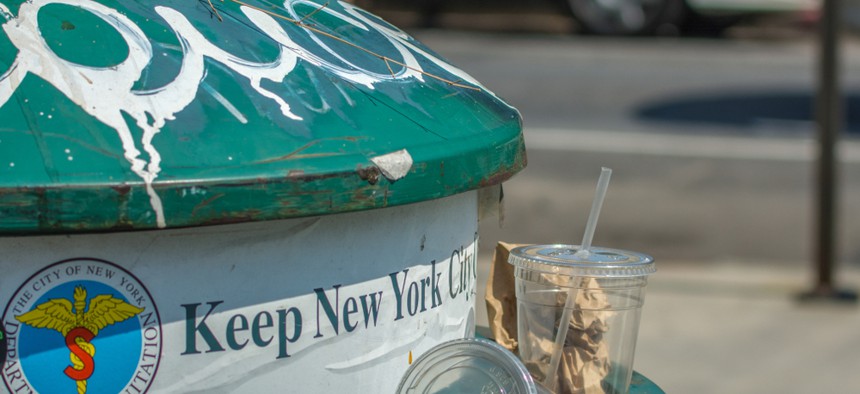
{"x": 467, "y": 366}
{"x": 565, "y": 260}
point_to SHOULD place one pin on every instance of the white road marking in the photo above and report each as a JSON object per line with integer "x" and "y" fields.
{"x": 710, "y": 146}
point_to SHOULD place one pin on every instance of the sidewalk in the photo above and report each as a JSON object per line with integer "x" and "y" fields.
{"x": 729, "y": 328}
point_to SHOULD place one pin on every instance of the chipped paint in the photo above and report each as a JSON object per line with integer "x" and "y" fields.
{"x": 394, "y": 165}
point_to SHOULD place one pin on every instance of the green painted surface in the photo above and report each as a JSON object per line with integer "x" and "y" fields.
{"x": 99, "y": 100}
{"x": 81, "y": 37}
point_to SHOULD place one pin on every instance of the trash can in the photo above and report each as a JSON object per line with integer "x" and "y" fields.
{"x": 234, "y": 196}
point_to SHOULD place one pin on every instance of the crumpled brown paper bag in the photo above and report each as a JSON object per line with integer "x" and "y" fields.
{"x": 585, "y": 357}
{"x": 501, "y": 298}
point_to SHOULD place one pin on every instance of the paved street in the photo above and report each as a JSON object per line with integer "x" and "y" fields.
{"x": 711, "y": 142}
{"x": 712, "y": 147}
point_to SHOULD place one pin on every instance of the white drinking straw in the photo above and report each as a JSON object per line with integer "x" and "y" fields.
{"x": 582, "y": 253}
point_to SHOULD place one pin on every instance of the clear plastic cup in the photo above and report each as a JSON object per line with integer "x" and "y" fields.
{"x": 607, "y": 287}
{"x": 472, "y": 365}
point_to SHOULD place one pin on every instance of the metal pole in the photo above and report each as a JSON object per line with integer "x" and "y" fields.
{"x": 828, "y": 110}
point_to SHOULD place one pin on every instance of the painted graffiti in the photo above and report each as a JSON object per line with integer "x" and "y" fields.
{"x": 107, "y": 93}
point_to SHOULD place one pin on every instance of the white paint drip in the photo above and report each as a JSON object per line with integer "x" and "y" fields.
{"x": 101, "y": 92}
{"x": 106, "y": 93}
{"x": 345, "y": 96}
{"x": 226, "y": 103}
{"x": 197, "y": 45}
{"x": 394, "y": 165}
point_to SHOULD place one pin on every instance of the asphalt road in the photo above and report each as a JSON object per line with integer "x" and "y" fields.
{"x": 712, "y": 142}
{"x": 713, "y": 150}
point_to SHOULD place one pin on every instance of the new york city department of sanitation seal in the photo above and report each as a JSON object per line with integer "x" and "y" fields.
{"x": 2, "y": 346}
{"x": 81, "y": 325}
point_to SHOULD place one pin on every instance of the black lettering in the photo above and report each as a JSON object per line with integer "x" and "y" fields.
{"x": 412, "y": 299}
{"x": 373, "y": 308}
{"x": 349, "y": 307}
{"x": 333, "y": 318}
{"x": 258, "y": 325}
{"x": 283, "y": 339}
{"x": 398, "y": 292}
{"x": 192, "y": 328}
{"x": 434, "y": 285}
{"x": 232, "y": 329}
{"x": 453, "y": 291}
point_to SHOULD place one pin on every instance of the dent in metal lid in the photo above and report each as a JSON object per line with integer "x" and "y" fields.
{"x": 468, "y": 366}
{"x": 567, "y": 260}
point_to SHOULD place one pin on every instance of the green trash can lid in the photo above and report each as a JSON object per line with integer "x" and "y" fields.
{"x": 468, "y": 366}
{"x": 145, "y": 115}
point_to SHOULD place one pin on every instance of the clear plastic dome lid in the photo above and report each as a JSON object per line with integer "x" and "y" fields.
{"x": 570, "y": 260}
{"x": 468, "y": 366}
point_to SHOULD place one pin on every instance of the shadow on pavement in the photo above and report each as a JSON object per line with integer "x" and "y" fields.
{"x": 791, "y": 110}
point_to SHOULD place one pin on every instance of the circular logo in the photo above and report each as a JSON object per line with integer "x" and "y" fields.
{"x": 81, "y": 324}
{"x": 2, "y": 347}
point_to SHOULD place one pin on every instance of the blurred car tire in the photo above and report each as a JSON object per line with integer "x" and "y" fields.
{"x": 629, "y": 17}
